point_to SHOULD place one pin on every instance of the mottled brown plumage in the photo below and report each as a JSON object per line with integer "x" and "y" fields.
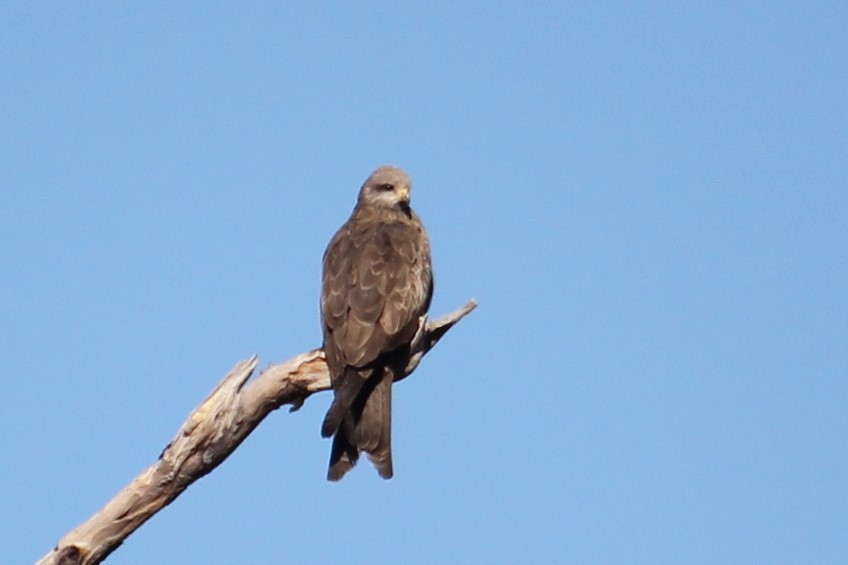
{"x": 377, "y": 281}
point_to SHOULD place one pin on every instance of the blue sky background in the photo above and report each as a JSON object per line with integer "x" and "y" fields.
{"x": 649, "y": 201}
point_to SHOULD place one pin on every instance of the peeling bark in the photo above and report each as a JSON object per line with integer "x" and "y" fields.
{"x": 209, "y": 435}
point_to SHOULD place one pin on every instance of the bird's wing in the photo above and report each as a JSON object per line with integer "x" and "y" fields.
{"x": 376, "y": 282}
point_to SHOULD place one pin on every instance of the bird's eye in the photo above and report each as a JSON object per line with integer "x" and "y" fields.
{"x": 385, "y": 187}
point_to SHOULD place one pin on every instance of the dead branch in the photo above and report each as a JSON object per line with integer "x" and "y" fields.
{"x": 210, "y": 434}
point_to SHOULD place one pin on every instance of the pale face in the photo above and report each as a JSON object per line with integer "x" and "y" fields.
{"x": 386, "y": 187}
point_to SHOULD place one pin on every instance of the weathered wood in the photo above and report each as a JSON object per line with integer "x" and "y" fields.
{"x": 210, "y": 434}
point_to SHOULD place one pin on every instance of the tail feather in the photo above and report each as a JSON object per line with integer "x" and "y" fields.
{"x": 365, "y": 425}
{"x": 375, "y": 428}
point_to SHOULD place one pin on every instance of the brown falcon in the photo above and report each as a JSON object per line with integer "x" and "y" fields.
{"x": 377, "y": 281}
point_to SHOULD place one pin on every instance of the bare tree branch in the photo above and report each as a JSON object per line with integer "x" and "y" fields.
{"x": 210, "y": 434}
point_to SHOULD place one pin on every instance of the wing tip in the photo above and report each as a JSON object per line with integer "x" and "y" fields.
{"x": 343, "y": 457}
{"x": 333, "y": 419}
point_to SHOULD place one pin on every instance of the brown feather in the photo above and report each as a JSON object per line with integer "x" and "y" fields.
{"x": 376, "y": 283}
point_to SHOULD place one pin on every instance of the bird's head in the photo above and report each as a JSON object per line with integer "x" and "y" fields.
{"x": 387, "y": 187}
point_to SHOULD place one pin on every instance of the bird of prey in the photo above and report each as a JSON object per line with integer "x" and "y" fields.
{"x": 377, "y": 282}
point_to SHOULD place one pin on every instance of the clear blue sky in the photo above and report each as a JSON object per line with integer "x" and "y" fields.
{"x": 649, "y": 201}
